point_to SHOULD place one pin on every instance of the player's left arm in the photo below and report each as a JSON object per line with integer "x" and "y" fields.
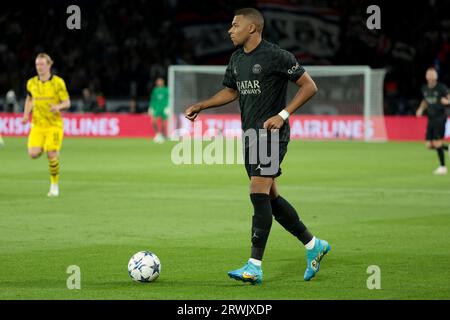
{"x": 307, "y": 89}
{"x": 446, "y": 99}
{"x": 64, "y": 99}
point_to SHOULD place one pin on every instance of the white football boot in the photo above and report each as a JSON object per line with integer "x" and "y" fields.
{"x": 54, "y": 191}
{"x": 440, "y": 171}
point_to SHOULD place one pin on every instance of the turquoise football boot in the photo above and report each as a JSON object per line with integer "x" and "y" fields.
{"x": 313, "y": 258}
{"x": 248, "y": 273}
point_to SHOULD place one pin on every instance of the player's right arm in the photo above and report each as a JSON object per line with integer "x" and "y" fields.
{"x": 151, "y": 103}
{"x": 423, "y": 105}
{"x": 28, "y": 104}
{"x": 27, "y": 109}
{"x": 228, "y": 94}
{"x": 224, "y": 96}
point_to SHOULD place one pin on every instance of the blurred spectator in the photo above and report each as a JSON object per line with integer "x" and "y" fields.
{"x": 101, "y": 103}
{"x": 88, "y": 102}
{"x": 133, "y": 105}
{"x": 11, "y": 104}
{"x": 395, "y": 104}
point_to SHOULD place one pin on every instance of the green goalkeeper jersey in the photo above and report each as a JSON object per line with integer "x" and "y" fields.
{"x": 159, "y": 99}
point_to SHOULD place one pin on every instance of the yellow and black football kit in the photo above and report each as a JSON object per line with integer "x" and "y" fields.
{"x": 46, "y": 127}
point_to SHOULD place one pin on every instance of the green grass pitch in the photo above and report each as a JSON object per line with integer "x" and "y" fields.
{"x": 376, "y": 203}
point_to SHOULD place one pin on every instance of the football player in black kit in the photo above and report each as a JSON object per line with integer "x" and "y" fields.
{"x": 435, "y": 97}
{"x": 257, "y": 74}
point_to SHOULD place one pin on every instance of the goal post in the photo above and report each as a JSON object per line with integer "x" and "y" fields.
{"x": 347, "y": 94}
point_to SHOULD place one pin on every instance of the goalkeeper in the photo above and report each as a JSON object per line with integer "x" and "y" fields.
{"x": 158, "y": 109}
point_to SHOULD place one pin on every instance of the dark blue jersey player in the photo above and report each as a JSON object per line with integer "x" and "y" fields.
{"x": 258, "y": 74}
{"x": 435, "y": 97}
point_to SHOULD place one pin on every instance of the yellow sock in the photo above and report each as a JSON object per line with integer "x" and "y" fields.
{"x": 53, "y": 164}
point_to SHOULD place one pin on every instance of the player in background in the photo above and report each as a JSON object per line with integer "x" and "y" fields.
{"x": 47, "y": 97}
{"x": 258, "y": 74}
{"x": 435, "y": 97}
{"x": 159, "y": 101}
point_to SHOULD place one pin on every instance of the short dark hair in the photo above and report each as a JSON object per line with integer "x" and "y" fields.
{"x": 254, "y": 15}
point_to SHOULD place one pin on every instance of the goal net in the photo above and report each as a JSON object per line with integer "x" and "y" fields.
{"x": 348, "y": 105}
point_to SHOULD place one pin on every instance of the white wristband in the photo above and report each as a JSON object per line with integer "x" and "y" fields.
{"x": 284, "y": 114}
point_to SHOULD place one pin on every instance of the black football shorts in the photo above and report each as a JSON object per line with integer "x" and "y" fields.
{"x": 436, "y": 129}
{"x": 264, "y": 155}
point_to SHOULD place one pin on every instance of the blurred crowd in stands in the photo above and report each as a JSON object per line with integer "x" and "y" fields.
{"x": 123, "y": 46}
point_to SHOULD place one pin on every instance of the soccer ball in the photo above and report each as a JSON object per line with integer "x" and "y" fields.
{"x": 144, "y": 266}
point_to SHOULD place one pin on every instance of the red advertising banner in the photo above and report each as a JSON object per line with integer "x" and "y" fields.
{"x": 302, "y": 127}
{"x": 86, "y": 125}
{"x": 319, "y": 127}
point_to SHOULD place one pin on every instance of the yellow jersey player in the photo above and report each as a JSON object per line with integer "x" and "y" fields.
{"x": 47, "y": 96}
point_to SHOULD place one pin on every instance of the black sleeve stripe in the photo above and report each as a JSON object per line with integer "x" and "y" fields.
{"x": 299, "y": 74}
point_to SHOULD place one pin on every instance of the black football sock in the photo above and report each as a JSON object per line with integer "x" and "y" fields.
{"x": 261, "y": 223}
{"x": 288, "y": 217}
{"x": 440, "y": 152}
